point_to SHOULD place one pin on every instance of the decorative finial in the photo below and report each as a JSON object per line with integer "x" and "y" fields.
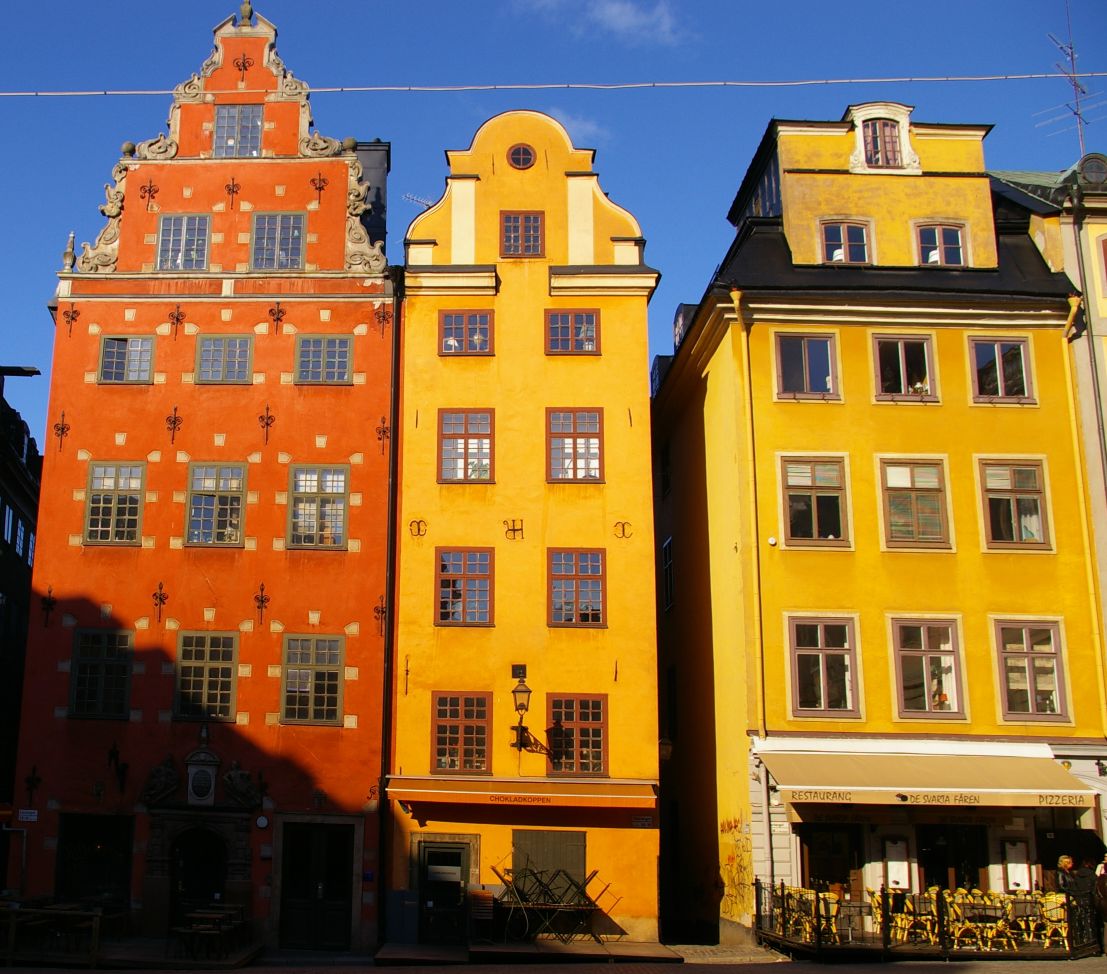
{"x": 245, "y": 14}
{"x": 69, "y": 258}
{"x": 128, "y": 149}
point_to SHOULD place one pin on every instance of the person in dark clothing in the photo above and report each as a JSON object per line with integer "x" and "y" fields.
{"x": 1083, "y": 878}
{"x": 1066, "y": 875}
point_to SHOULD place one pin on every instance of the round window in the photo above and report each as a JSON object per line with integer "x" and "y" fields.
{"x": 521, "y": 156}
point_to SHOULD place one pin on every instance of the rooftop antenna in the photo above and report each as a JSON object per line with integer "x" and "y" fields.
{"x": 1068, "y": 69}
{"x": 411, "y": 198}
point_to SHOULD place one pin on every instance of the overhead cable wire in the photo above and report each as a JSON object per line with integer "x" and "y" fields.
{"x": 579, "y": 85}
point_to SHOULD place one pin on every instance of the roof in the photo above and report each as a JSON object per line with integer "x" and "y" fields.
{"x": 760, "y": 259}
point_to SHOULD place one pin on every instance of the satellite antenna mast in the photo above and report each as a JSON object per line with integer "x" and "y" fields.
{"x": 1068, "y": 69}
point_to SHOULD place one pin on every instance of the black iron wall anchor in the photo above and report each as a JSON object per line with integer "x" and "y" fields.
{"x": 173, "y": 423}
{"x": 243, "y": 63}
{"x": 61, "y": 430}
{"x": 623, "y": 529}
{"x": 176, "y": 317}
{"x": 383, "y": 315}
{"x": 32, "y": 781}
{"x": 277, "y": 313}
{"x": 70, "y": 317}
{"x": 266, "y": 421}
{"x": 232, "y": 188}
{"x": 384, "y": 432}
{"x": 380, "y": 613}
{"x": 159, "y": 598}
{"x": 149, "y": 191}
{"x": 513, "y": 529}
{"x": 417, "y": 527}
{"x": 261, "y": 601}
{"x": 48, "y": 603}
{"x": 319, "y": 182}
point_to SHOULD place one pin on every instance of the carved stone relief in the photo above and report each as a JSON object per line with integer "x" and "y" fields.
{"x": 102, "y": 256}
{"x": 361, "y": 253}
{"x": 159, "y": 148}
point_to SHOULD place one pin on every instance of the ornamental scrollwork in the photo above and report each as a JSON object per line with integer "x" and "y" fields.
{"x": 103, "y": 255}
{"x": 159, "y": 148}
{"x": 361, "y": 253}
{"x": 319, "y": 145}
{"x": 191, "y": 90}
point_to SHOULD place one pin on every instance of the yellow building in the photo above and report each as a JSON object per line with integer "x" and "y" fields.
{"x": 878, "y": 601}
{"x": 525, "y": 729}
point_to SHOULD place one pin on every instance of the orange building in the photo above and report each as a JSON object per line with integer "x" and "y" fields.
{"x": 204, "y": 686}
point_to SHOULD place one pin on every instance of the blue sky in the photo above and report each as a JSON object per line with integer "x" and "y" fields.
{"x": 673, "y": 157}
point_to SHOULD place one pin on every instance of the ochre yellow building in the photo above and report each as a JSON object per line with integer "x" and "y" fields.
{"x": 878, "y": 601}
{"x": 526, "y": 545}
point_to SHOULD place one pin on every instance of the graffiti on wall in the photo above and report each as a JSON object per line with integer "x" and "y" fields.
{"x": 735, "y": 869}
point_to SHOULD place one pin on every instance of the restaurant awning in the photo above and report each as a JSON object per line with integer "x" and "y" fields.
{"x": 540, "y": 792}
{"x": 959, "y": 780}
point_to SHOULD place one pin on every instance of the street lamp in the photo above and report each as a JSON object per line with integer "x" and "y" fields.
{"x": 524, "y": 739}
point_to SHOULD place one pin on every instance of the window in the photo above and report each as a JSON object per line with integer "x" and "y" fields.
{"x": 183, "y": 243}
{"x": 20, "y": 537}
{"x": 1001, "y": 370}
{"x": 904, "y": 368}
{"x": 237, "y": 130}
{"x": 464, "y": 581}
{"x": 462, "y": 726}
{"x": 215, "y": 499}
{"x": 665, "y": 469}
{"x": 31, "y": 550}
{"x": 324, "y": 359}
{"x": 1014, "y": 504}
{"x": 805, "y": 366}
{"x": 278, "y": 241}
{"x": 206, "y": 676}
{"x": 465, "y": 333}
{"x": 1030, "y": 670}
{"x": 824, "y": 682}
{"x": 521, "y": 156}
{"x": 9, "y": 521}
{"x": 815, "y": 500}
{"x": 577, "y": 734}
{"x": 522, "y": 234}
{"x": 224, "y": 358}
{"x": 465, "y": 446}
{"x": 667, "y": 578}
{"x": 576, "y": 592}
{"x": 928, "y": 668}
{"x": 574, "y": 440}
{"x": 914, "y": 504}
{"x": 312, "y": 680}
{"x": 882, "y": 143}
{"x": 114, "y": 503}
{"x": 127, "y": 360}
{"x": 845, "y": 243}
{"x": 100, "y": 675}
{"x": 941, "y": 245}
{"x": 320, "y": 497}
{"x": 572, "y": 332}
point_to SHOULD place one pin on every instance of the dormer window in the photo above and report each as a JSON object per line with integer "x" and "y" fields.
{"x": 940, "y": 246}
{"x": 882, "y": 143}
{"x": 237, "y": 131}
{"x": 845, "y": 243}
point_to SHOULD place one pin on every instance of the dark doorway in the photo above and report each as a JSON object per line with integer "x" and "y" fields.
{"x": 832, "y": 857}
{"x": 443, "y": 881}
{"x": 316, "y": 886}
{"x": 953, "y": 857}
{"x": 94, "y": 857}
{"x": 198, "y": 871}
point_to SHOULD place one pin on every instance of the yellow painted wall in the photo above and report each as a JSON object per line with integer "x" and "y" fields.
{"x": 519, "y": 382}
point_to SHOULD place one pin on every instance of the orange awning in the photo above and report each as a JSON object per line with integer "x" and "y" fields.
{"x": 534, "y": 792}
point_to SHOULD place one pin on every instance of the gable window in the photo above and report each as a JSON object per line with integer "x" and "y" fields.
{"x": 882, "y": 143}
{"x": 577, "y": 737}
{"x": 464, "y": 582}
{"x": 461, "y": 726}
{"x": 224, "y": 358}
{"x": 1001, "y": 370}
{"x": 845, "y": 243}
{"x": 904, "y": 368}
{"x": 576, "y": 587}
{"x": 572, "y": 332}
{"x": 324, "y": 359}
{"x": 521, "y": 156}
{"x": 320, "y": 496}
{"x": 941, "y": 245}
{"x": 312, "y": 680}
{"x": 1014, "y": 504}
{"x": 465, "y": 333}
{"x": 237, "y": 131}
{"x": 824, "y": 681}
{"x": 928, "y": 668}
{"x": 668, "y": 580}
{"x": 465, "y": 446}
{"x": 278, "y": 241}
{"x": 114, "y": 503}
{"x": 206, "y": 676}
{"x": 574, "y": 440}
{"x": 1030, "y": 670}
{"x": 127, "y": 360}
{"x": 805, "y": 366}
{"x": 215, "y": 499}
{"x": 914, "y": 504}
{"x": 815, "y": 500}
{"x": 183, "y": 243}
{"x": 522, "y": 233}
{"x": 100, "y": 675}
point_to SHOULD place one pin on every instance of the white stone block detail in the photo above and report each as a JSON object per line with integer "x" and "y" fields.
{"x": 176, "y": 544}
{"x": 225, "y": 314}
{"x": 191, "y": 328}
{"x": 183, "y": 457}
{"x": 79, "y": 495}
{"x": 245, "y": 670}
{"x": 273, "y": 670}
{"x": 314, "y": 615}
{"x": 160, "y": 378}
{"x": 284, "y": 457}
{"x": 251, "y": 544}
{"x": 148, "y": 541}
{"x": 242, "y": 719}
{"x": 351, "y": 673}
{"x": 129, "y": 314}
{"x": 324, "y": 314}
{"x": 276, "y": 626}
{"x": 278, "y": 544}
{"x": 163, "y": 328}
{"x": 219, "y": 439}
{"x": 321, "y": 441}
{"x": 120, "y": 439}
{"x": 154, "y": 456}
{"x": 271, "y": 720}
{"x": 188, "y": 378}
{"x": 75, "y": 541}
{"x": 280, "y": 497}
{"x": 246, "y": 625}
{"x": 354, "y": 545}
{"x": 209, "y": 614}
{"x": 352, "y": 629}
{"x": 361, "y": 329}
{"x": 180, "y": 496}
{"x": 105, "y": 610}
{"x": 143, "y": 623}
{"x": 349, "y": 721}
{"x": 355, "y": 499}
{"x": 357, "y": 458}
